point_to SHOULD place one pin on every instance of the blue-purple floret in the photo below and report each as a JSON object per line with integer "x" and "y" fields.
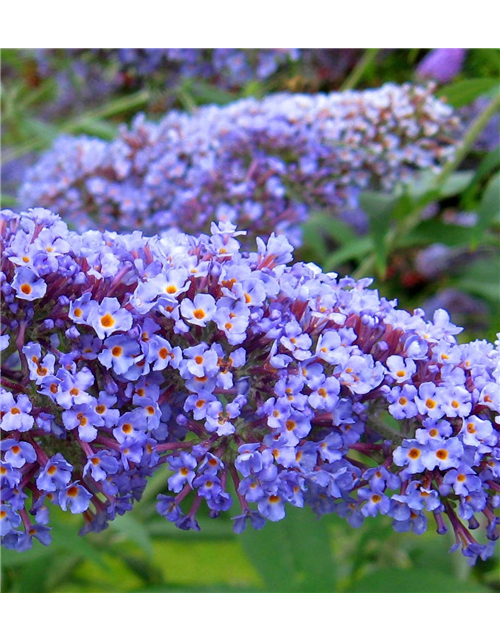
{"x": 262, "y": 165}
{"x": 104, "y": 72}
{"x": 308, "y": 408}
{"x": 442, "y": 65}
{"x": 226, "y": 68}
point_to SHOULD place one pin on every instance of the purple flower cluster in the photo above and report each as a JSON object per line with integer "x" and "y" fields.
{"x": 259, "y": 164}
{"x": 227, "y": 68}
{"x": 442, "y": 65}
{"x": 123, "y": 353}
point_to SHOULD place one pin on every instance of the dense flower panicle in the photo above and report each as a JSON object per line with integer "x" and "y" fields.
{"x": 80, "y": 77}
{"x": 259, "y": 164}
{"x": 124, "y": 353}
{"x": 226, "y": 68}
{"x": 442, "y": 65}
{"x": 108, "y": 71}
{"x": 72, "y": 81}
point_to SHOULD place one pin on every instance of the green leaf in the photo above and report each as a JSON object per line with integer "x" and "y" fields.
{"x": 33, "y": 578}
{"x": 464, "y": 92}
{"x": 100, "y": 128}
{"x": 379, "y": 207}
{"x": 314, "y": 242}
{"x": 431, "y": 231}
{"x": 424, "y": 183}
{"x": 456, "y": 183}
{"x": 134, "y": 530}
{"x": 44, "y": 131}
{"x": 489, "y": 207}
{"x": 353, "y": 250}
{"x": 12, "y": 56}
{"x": 210, "y": 531}
{"x": 404, "y": 206}
{"x": 488, "y": 290}
{"x": 65, "y": 536}
{"x": 412, "y": 56}
{"x": 208, "y": 94}
{"x": 489, "y": 164}
{"x": 44, "y": 577}
{"x": 320, "y": 228}
{"x": 202, "y": 562}
{"x": 481, "y": 278}
{"x": 372, "y": 538}
{"x": 326, "y": 222}
{"x": 147, "y": 571}
{"x": 8, "y": 201}
{"x": 413, "y": 581}
{"x": 293, "y": 554}
{"x": 254, "y": 89}
{"x": 11, "y": 558}
{"x": 196, "y": 588}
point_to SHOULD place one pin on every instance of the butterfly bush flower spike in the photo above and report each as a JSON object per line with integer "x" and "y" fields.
{"x": 326, "y": 396}
{"x": 260, "y": 164}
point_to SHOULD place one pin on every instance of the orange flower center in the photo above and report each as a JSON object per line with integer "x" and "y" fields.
{"x": 107, "y": 321}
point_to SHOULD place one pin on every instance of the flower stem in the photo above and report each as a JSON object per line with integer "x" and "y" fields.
{"x": 357, "y": 73}
{"x": 395, "y": 234}
{"x": 475, "y": 128}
